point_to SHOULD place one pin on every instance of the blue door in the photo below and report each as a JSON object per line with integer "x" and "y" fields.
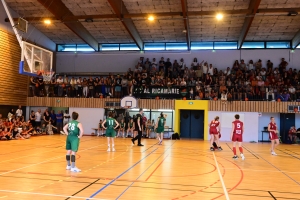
{"x": 192, "y": 124}
{"x": 185, "y": 121}
{"x": 197, "y": 124}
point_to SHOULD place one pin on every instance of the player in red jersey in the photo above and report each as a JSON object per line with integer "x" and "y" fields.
{"x": 214, "y": 130}
{"x": 272, "y": 128}
{"x": 237, "y": 136}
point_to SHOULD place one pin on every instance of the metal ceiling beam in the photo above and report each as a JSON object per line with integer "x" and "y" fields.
{"x": 119, "y": 7}
{"x": 296, "y": 40}
{"x": 186, "y": 23}
{"x": 60, "y": 11}
{"x": 253, "y": 7}
{"x": 165, "y": 14}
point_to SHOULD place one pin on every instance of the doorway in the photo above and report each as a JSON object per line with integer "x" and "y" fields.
{"x": 287, "y": 120}
{"x": 192, "y": 124}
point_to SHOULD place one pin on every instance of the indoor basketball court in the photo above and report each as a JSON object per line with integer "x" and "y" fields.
{"x": 179, "y": 169}
{"x": 58, "y": 39}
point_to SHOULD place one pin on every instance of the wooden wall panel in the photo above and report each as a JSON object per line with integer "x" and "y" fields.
{"x": 14, "y": 87}
{"x": 95, "y": 102}
{"x": 235, "y": 106}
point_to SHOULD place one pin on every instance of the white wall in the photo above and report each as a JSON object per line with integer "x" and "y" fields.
{"x": 121, "y": 61}
{"x": 297, "y": 121}
{"x": 251, "y": 124}
{"x": 89, "y": 117}
{"x": 32, "y": 34}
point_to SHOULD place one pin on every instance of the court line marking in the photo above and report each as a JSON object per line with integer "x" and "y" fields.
{"x": 54, "y": 158}
{"x": 221, "y": 178}
{"x": 140, "y": 175}
{"x": 83, "y": 189}
{"x": 156, "y": 168}
{"x": 101, "y": 189}
{"x": 272, "y": 195}
{"x": 45, "y": 194}
{"x": 279, "y": 169}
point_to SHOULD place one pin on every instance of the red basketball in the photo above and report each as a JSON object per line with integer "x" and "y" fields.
{"x": 36, "y": 85}
{"x": 63, "y": 85}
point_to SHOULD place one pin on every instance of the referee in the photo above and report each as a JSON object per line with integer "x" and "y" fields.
{"x": 138, "y": 128}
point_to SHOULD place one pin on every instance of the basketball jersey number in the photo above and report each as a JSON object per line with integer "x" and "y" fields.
{"x": 110, "y": 123}
{"x": 213, "y": 124}
{"x": 238, "y": 125}
{"x": 71, "y": 126}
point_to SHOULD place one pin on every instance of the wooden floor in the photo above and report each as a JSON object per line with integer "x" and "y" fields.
{"x": 185, "y": 169}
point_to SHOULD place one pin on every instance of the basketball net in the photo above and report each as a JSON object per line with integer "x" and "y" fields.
{"x": 47, "y": 76}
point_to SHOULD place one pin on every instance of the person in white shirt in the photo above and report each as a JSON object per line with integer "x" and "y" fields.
{"x": 19, "y": 112}
{"x": 204, "y": 69}
{"x": 74, "y": 86}
{"x": 181, "y": 66}
{"x": 154, "y": 64}
{"x": 292, "y": 92}
{"x": 60, "y": 81}
{"x": 66, "y": 117}
{"x": 38, "y": 118}
{"x": 250, "y": 65}
{"x": 210, "y": 70}
{"x": 195, "y": 64}
{"x": 227, "y": 72}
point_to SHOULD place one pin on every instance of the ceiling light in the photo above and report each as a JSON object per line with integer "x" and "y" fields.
{"x": 47, "y": 21}
{"x": 219, "y": 16}
{"x": 150, "y": 18}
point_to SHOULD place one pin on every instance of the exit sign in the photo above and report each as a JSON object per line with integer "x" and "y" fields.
{"x": 191, "y": 103}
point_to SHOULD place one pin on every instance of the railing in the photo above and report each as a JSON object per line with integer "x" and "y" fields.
{"x": 235, "y": 93}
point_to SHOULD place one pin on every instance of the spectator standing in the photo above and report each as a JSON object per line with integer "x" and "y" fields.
{"x": 79, "y": 85}
{"x": 118, "y": 86}
{"x": 182, "y": 66}
{"x": 161, "y": 64}
{"x": 59, "y": 121}
{"x": 19, "y": 112}
{"x": 38, "y": 118}
{"x": 60, "y": 82}
{"x": 168, "y": 65}
{"x": 66, "y": 117}
{"x": 91, "y": 87}
{"x": 53, "y": 117}
{"x": 46, "y": 117}
{"x": 32, "y": 119}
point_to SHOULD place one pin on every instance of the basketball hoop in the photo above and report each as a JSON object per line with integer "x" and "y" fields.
{"x": 47, "y": 76}
{"x": 127, "y": 107}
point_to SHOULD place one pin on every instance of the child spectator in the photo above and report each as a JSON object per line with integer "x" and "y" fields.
{"x": 49, "y": 128}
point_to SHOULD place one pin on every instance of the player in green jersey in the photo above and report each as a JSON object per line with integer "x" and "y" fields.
{"x": 121, "y": 129}
{"x": 160, "y": 127}
{"x": 74, "y": 132}
{"x": 110, "y": 124}
{"x": 130, "y": 127}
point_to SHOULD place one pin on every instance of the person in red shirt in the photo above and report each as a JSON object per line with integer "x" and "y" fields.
{"x": 214, "y": 131}
{"x": 272, "y": 128}
{"x": 237, "y": 136}
{"x": 292, "y": 134}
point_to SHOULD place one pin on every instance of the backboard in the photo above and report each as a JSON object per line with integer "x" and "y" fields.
{"x": 35, "y": 60}
{"x": 129, "y": 102}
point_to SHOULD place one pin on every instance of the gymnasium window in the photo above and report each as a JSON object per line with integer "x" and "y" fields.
{"x": 154, "y": 46}
{"x": 202, "y": 45}
{"x": 278, "y": 45}
{"x": 66, "y": 47}
{"x": 253, "y": 45}
{"x": 225, "y": 45}
{"x": 176, "y": 46}
{"x": 109, "y": 47}
{"x": 84, "y": 47}
{"x": 129, "y": 47}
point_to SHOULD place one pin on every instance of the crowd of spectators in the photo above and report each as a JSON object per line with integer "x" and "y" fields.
{"x": 14, "y": 125}
{"x": 241, "y": 81}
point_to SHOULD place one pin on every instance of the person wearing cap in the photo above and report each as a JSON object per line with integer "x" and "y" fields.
{"x": 138, "y": 127}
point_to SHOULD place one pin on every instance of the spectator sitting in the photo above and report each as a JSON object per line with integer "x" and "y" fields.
{"x": 286, "y": 96}
{"x": 292, "y": 134}
{"x": 50, "y": 128}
